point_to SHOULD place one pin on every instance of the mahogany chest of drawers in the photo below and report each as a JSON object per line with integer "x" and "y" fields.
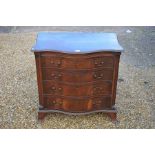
{"x": 77, "y": 72}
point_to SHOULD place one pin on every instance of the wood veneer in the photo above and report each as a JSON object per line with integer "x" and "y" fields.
{"x": 77, "y": 83}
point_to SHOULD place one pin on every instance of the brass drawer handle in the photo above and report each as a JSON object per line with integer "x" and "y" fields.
{"x": 99, "y": 76}
{"x": 56, "y": 76}
{"x": 60, "y": 89}
{"x": 53, "y": 88}
{"x": 97, "y": 102}
{"x": 54, "y": 102}
{"x": 99, "y": 62}
{"x": 59, "y": 63}
{"x": 95, "y": 76}
{"x": 51, "y": 103}
{"x": 60, "y": 102}
{"x": 52, "y": 62}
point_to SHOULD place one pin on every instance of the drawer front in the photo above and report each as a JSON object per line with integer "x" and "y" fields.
{"x": 77, "y": 76}
{"x": 66, "y": 63}
{"x": 103, "y": 61}
{"x": 71, "y": 105}
{"x": 76, "y": 62}
{"x": 51, "y": 61}
{"x": 76, "y": 105}
{"x": 97, "y": 89}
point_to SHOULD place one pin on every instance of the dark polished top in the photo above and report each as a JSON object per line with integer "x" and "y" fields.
{"x": 76, "y": 42}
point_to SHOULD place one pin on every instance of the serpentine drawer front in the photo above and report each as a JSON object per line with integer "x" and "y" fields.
{"x": 75, "y": 76}
{"x": 77, "y": 72}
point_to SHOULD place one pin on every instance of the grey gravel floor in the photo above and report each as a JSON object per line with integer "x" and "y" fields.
{"x": 135, "y": 100}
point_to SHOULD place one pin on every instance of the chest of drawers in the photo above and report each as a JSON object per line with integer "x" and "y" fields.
{"x": 77, "y": 72}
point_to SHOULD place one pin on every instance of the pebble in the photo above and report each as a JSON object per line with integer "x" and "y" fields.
{"x": 120, "y": 80}
{"x": 128, "y": 31}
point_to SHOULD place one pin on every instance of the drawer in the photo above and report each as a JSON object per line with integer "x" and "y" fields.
{"x": 96, "y": 89}
{"x": 51, "y": 61}
{"x": 76, "y": 105}
{"x": 76, "y": 62}
{"x": 67, "y": 104}
{"x": 103, "y": 61}
{"x": 77, "y": 76}
{"x": 66, "y": 63}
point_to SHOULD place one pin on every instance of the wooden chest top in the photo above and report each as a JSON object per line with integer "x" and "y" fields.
{"x": 76, "y": 42}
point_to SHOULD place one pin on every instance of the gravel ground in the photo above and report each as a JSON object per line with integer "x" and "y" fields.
{"x": 135, "y": 92}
